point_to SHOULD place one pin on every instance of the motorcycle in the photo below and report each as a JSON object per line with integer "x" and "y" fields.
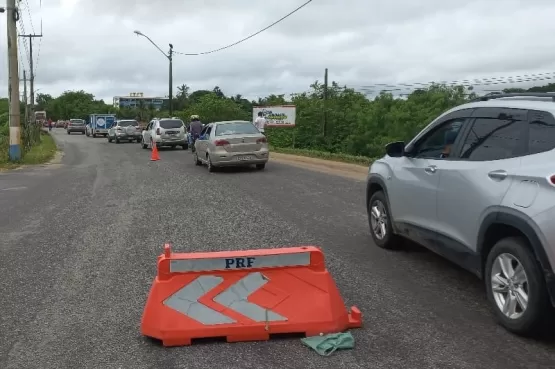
{"x": 192, "y": 141}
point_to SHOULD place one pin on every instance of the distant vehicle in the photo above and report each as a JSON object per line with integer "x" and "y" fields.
{"x": 60, "y": 124}
{"x": 76, "y": 126}
{"x": 40, "y": 118}
{"x": 231, "y": 143}
{"x": 126, "y": 129}
{"x": 165, "y": 132}
{"x": 99, "y": 124}
{"x": 477, "y": 186}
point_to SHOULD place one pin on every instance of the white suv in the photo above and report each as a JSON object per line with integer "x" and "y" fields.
{"x": 165, "y": 132}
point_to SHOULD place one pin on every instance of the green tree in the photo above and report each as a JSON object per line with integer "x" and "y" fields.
{"x": 355, "y": 125}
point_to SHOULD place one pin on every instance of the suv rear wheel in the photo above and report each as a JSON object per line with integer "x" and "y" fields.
{"x": 516, "y": 288}
{"x": 380, "y": 222}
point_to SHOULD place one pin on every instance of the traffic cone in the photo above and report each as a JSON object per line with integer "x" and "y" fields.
{"x": 154, "y": 154}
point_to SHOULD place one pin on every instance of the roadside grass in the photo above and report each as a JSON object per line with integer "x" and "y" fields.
{"x": 344, "y": 158}
{"x": 39, "y": 154}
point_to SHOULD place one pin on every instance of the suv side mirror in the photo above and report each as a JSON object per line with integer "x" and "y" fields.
{"x": 395, "y": 149}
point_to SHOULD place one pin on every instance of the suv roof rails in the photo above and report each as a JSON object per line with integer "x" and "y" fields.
{"x": 551, "y": 95}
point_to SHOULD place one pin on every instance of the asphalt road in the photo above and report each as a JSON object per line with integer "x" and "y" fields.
{"x": 78, "y": 244}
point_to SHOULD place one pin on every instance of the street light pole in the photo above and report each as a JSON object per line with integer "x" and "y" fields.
{"x": 169, "y": 55}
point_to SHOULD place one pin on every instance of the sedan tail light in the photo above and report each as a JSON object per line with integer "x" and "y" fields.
{"x": 221, "y": 142}
{"x": 261, "y": 140}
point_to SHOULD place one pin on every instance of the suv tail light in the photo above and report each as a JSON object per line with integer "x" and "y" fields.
{"x": 118, "y": 128}
{"x": 158, "y": 131}
{"x": 261, "y": 140}
{"x": 221, "y": 142}
{"x": 552, "y": 180}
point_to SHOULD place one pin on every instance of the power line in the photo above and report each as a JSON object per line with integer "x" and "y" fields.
{"x": 403, "y": 91}
{"x": 38, "y": 56}
{"x": 30, "y": 18}
{"x": 248, "y": 37}
{"x": 22, "y": 26}
{"x": 467, "y": 82}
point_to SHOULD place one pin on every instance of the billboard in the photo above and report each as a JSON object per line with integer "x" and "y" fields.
{"x": 276, "y": 116}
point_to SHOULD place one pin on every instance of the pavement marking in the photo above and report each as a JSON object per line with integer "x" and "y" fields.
{"x": 14, "y": 188}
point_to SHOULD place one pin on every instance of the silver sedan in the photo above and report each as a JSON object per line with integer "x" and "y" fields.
{"x": 231, "y": 143}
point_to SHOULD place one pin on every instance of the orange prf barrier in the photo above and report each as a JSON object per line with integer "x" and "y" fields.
{"x": 244, "y": 296}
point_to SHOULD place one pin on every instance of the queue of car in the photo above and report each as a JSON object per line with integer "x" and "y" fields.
{"x": 235, "y": 143}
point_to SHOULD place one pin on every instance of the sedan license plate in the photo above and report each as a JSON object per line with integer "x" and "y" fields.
{"x": 243, "y": 158}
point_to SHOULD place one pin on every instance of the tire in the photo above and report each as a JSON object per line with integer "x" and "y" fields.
{"x": 117, "y": 140}
{"x": 94, "y": 135}
{"x": 538, "y": 312}
{"x": 260, "y": 166}
{"x": 139, "y": 140}
{"x": 185, "y": 147}
{"x": 196, "y": 159}
{"x": 109, "y": 139}
{"x": 68, "y": 132}
{"x": 82, "y": 133}
{"x": 143, "y": 144}
{"x": 211, "y": 167}
{"x": 385, "y": 240}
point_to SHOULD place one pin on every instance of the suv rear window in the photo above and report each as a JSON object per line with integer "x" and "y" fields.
{"x": 236, "y": 128}
{"x": 171, "y": 123}
{"x": 127, "y": 123}
{"x": 541, "y": 132}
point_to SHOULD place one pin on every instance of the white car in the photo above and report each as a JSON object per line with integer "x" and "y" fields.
{"x": 168, "y": 132}
{"x": 126, "y": 130}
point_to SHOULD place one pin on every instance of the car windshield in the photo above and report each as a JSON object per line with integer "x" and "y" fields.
{"x": 127, "y": 123}
{"x": 77, "y": 122}
{"x": 236, "y": 128}
{"x": 171, "y": 123}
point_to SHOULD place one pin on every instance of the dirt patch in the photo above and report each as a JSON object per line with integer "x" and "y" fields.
{"x": 353, "y": 171}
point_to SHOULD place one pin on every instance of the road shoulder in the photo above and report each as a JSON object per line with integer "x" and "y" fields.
{"x": 46, "y": 153}
{"x": 353, "y": 171}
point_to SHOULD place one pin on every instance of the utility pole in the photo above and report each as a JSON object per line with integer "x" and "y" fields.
{"x": 32, "y": 79}
{"x": 324, "y": 127}
{"x": 13, "y": 81}
{"x": 25, "y": 97}
{"x": 170, "y": 57}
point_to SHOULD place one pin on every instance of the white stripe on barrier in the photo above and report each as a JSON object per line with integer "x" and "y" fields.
{"x": 243, "y": 262}
{"x": 186, "y": 300}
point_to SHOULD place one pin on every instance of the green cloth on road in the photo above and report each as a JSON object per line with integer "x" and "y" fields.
{"x": 326, "y": 345}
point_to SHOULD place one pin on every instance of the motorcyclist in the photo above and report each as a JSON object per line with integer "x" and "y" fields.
{"x": 195, "y": 127}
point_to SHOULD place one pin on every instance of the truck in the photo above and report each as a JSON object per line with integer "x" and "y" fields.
{"x": 40, "y": 118}
{"x": 99, "y": 124}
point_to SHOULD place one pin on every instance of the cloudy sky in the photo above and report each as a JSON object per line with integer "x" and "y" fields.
{"x": 90, "y": 44}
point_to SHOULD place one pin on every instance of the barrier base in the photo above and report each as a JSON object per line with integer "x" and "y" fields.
{"x": 354, "y": 321}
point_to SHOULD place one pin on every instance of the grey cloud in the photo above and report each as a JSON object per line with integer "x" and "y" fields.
{"x": 362, "y": 42}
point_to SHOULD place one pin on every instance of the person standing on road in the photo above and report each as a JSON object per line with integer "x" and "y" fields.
{"x": 49, "y": 124}
{"x": 260, "y": 122}
{"x": 194, "y": 130}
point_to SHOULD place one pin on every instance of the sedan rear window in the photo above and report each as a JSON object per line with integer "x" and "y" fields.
{"x": 127, "y": 123}
{"x": 173, "y": 123}
{"x": 76, "y": 122}
{"x": 237, "y": 128}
